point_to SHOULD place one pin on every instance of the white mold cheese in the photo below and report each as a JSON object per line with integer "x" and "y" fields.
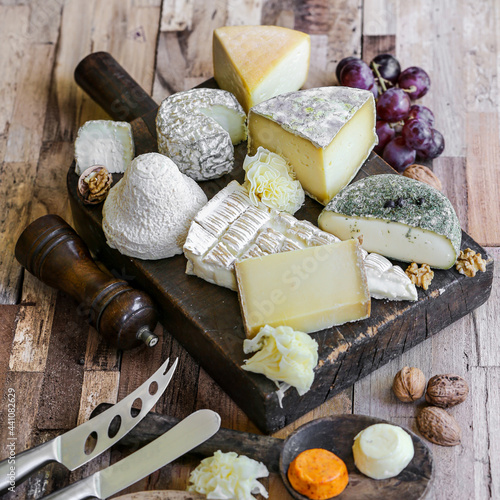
{"x": 147, "y": 213}
{"x": 325, "y": 133}
{"x": 382, "y": 451}
{"x": 397, "y": 217}
{"x": 197, "y": 130}
{"x": 104, "y": 142}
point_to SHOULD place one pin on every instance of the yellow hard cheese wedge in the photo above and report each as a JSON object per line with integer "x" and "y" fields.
{"x": 308, "y": 289}
{"x": 256, "y": 63}
{"x": 325, "y": 134}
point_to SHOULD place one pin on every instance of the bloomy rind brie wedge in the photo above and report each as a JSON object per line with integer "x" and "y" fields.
{"x": 197, "y": 129}
{"x": 422, "y": 227}
{"x": 326, "y": 134}
{"x": 230, "y": 227}
{"x": 256, "y": 63}
{"x": 308, "y": 290}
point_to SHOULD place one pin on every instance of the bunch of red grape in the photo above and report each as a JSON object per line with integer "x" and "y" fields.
{"x": 404, "y": 131}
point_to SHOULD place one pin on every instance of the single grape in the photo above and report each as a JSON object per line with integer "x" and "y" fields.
{"x": 415, "y": 80}
{"x": 385, "y": 134}
{"x": 393, "y": 105}
{"x": 398, "y": 155}
{"x": 434, "y": 148}
{"x": 417, "y": 134}
{"x": 342, "y": 63}
{"x": 357, "y": 74}
{"x": 422, "y": 113}
{"x": 387, "y": 66}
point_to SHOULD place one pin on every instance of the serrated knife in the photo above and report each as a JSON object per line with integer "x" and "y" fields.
{"x": 72, "y": 448}
{"x": 186, "y": 435}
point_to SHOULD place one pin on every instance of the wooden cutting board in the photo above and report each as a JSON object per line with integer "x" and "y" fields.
{"x": 206, "y": 318}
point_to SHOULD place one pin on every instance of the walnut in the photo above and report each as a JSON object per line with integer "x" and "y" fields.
{"x": 409, "y": 384}
{"x": 446, "y": 390}
{"x": 420, "y": 276}
{"x": 423, "y": 174}
{"x": 469, "y": 262}
{"x": 438, "y": 426}
{"x": 94, "y": 184}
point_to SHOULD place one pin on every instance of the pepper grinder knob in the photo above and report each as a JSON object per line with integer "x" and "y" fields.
{"x": 50, "y": 249}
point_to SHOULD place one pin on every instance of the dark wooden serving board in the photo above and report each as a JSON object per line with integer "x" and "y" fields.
{"x": 206, "y": 318}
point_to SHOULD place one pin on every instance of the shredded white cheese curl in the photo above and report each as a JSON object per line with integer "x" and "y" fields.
{"x": 227, "y": 476}
{"x": 283, "y": 355}
{"x": 270, "y": 180}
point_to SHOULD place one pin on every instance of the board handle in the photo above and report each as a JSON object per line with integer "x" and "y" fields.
{"x": 110, "y": 86}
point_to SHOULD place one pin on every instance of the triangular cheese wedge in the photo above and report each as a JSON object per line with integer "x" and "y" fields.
{"x": 256, "y": 63}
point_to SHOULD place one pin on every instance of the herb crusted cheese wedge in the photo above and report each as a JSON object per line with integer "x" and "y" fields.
{"x": 397, "y": 217}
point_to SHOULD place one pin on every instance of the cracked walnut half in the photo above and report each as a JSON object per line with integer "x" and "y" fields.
{"x": 470, "y": 262}
{"x": 422, "y": 276}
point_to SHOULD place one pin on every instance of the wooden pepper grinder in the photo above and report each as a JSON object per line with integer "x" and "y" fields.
{"x": 52, "y": 251}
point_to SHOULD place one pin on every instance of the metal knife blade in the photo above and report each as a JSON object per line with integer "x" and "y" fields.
{"x": 70, "y": 450}
{"x": 186, "y": 435}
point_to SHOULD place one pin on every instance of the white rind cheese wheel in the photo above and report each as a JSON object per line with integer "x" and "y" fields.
{"x": 196, "y": 129}
{"x": 382, "y": 451}
{"x": 104, "y": 142}
{"x": 147, "y": 213}
{"x": 256, "y": 63}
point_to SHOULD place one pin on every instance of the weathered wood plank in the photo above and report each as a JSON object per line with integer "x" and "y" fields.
{"x": 378, "y": 44}
{"x": 9, "y": 314}
{"x": 177, "y": 15}
{"x": 248, "y": 12}
{"x": 58, "y": 407}
{"x": 486, "y": 321}
{"x": 379, "y": 17}
{"x": 483, "y": 177}
{"x": 99, "y": 355}
{"x": 31, "y": 339}
{"x": 98, "y": 387}
{"x": 13, "y": 31}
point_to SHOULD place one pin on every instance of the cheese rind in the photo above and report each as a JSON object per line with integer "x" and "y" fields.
{"x": 197, "y": 129}
{"x": 308, "y": 290}
{"x": 325, "y": 133}
{"x": 104, "y": 142}
{"x": 256, "y": 63}
{"x": 422, "y": 227}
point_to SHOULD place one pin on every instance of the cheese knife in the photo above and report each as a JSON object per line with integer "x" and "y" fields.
{"x": 77, "y": 446}
{"x": 186, "y": 435}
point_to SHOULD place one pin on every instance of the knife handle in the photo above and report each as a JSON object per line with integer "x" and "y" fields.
{"x": 85, "y": 488}
{"x": 15, "y": 469}
{"x": 50, "y": 249}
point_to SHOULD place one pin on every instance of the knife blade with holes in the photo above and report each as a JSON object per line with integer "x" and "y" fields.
{"x": 186, "y": 435}
{"x": 85, "y": 442}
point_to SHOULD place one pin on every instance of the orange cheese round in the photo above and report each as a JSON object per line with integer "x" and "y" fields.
{"x": 318, "y": 474}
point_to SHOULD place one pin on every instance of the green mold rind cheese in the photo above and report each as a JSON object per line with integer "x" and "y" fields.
{"x": 426, "y": 208}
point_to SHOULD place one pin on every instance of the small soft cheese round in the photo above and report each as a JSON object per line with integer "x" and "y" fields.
{"x": 147, "y": 213}
{"x": 197, "y": 130}
{"x": 318, "y": 474}
{"x": 382, "y": 450}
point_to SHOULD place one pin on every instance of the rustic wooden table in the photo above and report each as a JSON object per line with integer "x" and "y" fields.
{"x": 58, "y": 367}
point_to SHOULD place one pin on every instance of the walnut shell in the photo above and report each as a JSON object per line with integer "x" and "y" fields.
{"x": 446, "y": 390}
{"x": 409, "y": 384}
{"x": 423, "y": 174}
{"x": 94, "y": 184}
{"x": 438, "y": 426}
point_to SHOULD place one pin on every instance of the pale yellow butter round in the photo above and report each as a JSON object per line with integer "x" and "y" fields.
{"x": 382, "y": 451}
